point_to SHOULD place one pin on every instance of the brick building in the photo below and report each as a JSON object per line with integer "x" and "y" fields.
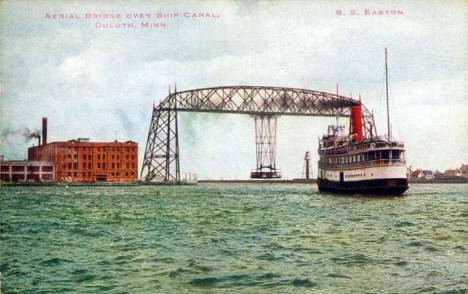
{"x": 83, "y": 161}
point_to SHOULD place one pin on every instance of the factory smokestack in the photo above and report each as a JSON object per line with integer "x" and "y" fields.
{"x": 44, "y": 130}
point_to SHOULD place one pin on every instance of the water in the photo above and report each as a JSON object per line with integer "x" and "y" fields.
{"x": 238, "y": 238}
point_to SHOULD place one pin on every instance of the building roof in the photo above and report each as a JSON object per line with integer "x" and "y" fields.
{"x": 75, "y": 142}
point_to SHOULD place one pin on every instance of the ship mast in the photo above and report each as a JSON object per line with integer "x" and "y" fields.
{"x": 386, "y": 93}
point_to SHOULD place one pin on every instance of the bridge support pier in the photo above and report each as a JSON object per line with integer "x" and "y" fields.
{"x": 265, "y": 140}
{"x": 161, "y": 160}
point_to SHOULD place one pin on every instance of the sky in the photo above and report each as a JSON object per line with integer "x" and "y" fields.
{"x": 101, "y": 83}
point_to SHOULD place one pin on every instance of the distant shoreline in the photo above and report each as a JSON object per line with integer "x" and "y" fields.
{"x": 259, "y": 181}
{"x": 439, "y": 181}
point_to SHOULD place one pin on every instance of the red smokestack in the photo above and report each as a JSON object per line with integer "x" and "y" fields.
{"x": 356, "y": 123}
{"x": 44, "y": 130}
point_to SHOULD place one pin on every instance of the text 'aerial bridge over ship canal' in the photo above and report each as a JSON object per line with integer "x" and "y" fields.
{"x": 265, "y": 104}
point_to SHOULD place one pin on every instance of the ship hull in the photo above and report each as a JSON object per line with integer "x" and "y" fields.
{"x": 377, "y": 187}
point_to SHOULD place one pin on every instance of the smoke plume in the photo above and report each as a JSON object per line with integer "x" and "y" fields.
{"x": 23, "y": 132}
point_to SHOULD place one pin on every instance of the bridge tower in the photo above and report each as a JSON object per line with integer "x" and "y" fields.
{"x": 265, "y": 140}
{"x": 161, "y": 160}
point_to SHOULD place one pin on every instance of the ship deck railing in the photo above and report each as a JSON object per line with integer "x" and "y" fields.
{"x": 367, "y": 163}
{"x": 361, "y": 147}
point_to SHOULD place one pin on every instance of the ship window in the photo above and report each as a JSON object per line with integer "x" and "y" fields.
{"x": 385, "y": 154}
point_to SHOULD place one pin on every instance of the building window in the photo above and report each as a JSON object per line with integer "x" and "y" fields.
{"x": 99, "y": 165}
{"x": 113, "y": 165}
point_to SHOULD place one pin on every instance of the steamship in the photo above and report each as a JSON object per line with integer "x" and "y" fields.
{"x": 355, "y": 163}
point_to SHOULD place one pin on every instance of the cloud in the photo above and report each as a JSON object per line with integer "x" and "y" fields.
{"x": 101, "y": 84}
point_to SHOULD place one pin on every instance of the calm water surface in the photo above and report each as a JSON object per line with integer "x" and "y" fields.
{"x": 236, "y": 238}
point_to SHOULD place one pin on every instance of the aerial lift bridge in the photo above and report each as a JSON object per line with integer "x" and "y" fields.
{"x": 265, "y": 104}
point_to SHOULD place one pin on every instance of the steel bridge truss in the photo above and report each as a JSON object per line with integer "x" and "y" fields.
{"x": 161, "y": 159}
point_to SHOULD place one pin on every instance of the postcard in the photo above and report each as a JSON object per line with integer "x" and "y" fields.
{"x": 233, "y": 146}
